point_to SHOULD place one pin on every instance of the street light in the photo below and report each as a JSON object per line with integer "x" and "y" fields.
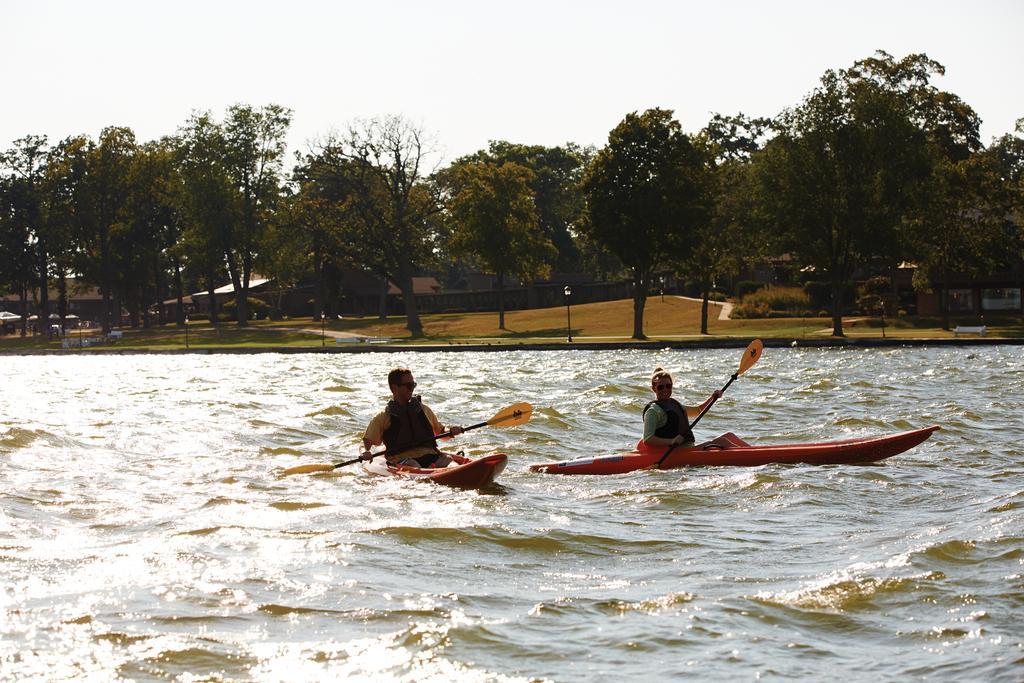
{"x": 661, "y": 279}
{"x": 186, "y": 332}
{"x": 568, "y": 312}
{"x": 323, "y": 341}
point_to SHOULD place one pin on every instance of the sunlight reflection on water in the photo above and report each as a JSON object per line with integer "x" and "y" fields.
{"x": 146, "y": 532}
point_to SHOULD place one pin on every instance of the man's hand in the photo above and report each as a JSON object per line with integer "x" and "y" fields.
{"x": 456, "y": 431}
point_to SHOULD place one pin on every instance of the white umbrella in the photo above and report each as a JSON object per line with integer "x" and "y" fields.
{"x": 6, "y": 316}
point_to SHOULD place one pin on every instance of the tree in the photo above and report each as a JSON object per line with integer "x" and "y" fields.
{"x": 495, "y": 219}
{"x": 254, "y": 147}
{"x": 961, "y": 226}
{"x": 16, "y": 266}
{"x": 379, "y": 169}
{"x": 101, "y": 206}
{"x": 643, "y": 193}
{"x": 26, "y": 161}
{"x": 1007, "y": 156}
{"x": 841, "y": 175}
{"x": 729, "y": 234}
{"x": 208, "y": 205}
{"x": 555, "y": 184}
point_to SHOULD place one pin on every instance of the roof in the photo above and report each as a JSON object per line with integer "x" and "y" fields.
{"x": 229, "y": 288}
{"x": 420, "y": 285}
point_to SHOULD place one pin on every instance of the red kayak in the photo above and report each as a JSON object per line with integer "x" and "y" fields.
{"x": 731, "y": 451}
{"x": 464, "y": 473}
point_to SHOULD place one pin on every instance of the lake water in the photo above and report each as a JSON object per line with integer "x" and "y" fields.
{"x": 146, "y": 532}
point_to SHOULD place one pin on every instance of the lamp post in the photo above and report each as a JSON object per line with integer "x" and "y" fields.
{"x": 661, "y": 279}
{"x": 568, "y": 312}
{"x": 186, "y": 332}
{"x": 323, "y": 339}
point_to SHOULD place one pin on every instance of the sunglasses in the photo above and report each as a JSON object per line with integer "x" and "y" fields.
{"x": 663, "y": 386}
{"x": 411, "y": 385}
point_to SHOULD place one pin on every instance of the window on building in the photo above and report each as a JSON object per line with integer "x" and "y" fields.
{"x": 1000, "y": 299}
{"x": 960, "y": 300}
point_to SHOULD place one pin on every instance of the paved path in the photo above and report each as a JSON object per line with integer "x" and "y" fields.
{"x": 722, "y": 314}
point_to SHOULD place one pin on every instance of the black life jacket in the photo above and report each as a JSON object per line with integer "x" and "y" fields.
{"x": 409, "y": 427}
{"x": 676, "y": 424}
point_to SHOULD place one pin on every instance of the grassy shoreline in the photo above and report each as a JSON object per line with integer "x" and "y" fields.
{"x": 672, "y": 322}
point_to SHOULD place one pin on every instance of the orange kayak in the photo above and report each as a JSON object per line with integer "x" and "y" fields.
{"x": 729, "y": 450}
{"x": 464, "y": 473}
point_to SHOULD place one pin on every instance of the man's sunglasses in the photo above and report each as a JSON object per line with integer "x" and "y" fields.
{"x": 663, "y": 386}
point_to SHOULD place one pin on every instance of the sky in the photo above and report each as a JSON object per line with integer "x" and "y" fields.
{"x": 467, "y": 72}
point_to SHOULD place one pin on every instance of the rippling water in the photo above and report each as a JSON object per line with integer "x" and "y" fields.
{"x": 146, "y": 532}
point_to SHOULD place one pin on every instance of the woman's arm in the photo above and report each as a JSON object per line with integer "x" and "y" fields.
{"x": 695, "y": 411}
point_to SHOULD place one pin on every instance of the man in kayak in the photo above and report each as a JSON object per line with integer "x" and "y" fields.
{"x": 666, "y": 420}
{"x": 406, "y": 426}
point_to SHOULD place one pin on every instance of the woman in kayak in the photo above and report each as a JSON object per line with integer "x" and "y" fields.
{"x": 406, "y": 426}
{"x": 666, "y": 420}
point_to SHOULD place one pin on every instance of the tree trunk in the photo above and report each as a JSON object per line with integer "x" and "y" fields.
{"x": 179, "y": 292}
{"x": 44, "y": 289}
{"x": 24, "y": 309}
{"x": 639, "y": 301}
{"x": 382, "y": 306}
{"x": 241, "y": 295}
{"x": 837, "y": 307}
{"x": 501, "y": 300}
{"x": 412, "y": 317}
{"x": 211, "y": 286}
{"x": 318, "y": 291}
{"x": 62, "y": 299}
{"x": 944, "y": 298}
{"x": 704, "y": 310}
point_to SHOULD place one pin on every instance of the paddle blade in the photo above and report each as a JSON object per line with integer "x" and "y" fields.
{"x": 750, "y": 356}
{"x": 308, "y": 469}
{"x": 516, "y": 414}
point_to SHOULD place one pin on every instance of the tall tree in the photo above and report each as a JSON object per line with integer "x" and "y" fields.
{"x": 728, "y": 235}
{"x": 555, "y": 183}
{"x": 26, "y": 161}
{"x": 379, "y": 167}
{"x": 961, "y": 226}
{"x": 1007, "y": 155}
{"x": 102, "y": 208}
{"x": 254, "y": 147}
{"x": 840, "y": 176}
{"x": 208, "y": 205}
{"x": 495, "y": 219}
{"x": 644, "y": 195}
{"x": 16, "y": 266}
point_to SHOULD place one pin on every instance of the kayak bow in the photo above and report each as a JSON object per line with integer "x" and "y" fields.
{"x": 729, "y": 450}
{"x": 465, "y": 473}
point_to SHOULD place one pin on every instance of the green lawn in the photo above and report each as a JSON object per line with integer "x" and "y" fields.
{"x": 612, "y": 321}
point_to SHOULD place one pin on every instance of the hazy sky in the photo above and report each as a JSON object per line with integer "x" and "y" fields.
{"x": 526, "y": 71}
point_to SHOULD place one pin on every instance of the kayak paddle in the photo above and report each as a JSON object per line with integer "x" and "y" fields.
{"x": 513, "y": 415}
{"x": 750, "y": 356}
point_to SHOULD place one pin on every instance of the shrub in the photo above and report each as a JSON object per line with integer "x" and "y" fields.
{"x": 745, "y": 287}
{"x": 751, "y": 310}
{"x": 819, "y": 292}
{"x": 257, "y": 307}
{"x": 878, "y": 285}
{"x": 779, "y": 298}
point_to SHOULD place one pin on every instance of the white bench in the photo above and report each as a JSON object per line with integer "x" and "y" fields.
{"x": 970, "y": 329}
{"x": 115, "y": 334}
